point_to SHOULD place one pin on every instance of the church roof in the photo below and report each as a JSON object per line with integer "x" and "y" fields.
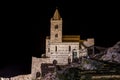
{"x": 56, "y": 15}
{"x": 71, "y": 38}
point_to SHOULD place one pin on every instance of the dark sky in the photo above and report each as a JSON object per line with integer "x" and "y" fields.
{"x": 25, "y": 27}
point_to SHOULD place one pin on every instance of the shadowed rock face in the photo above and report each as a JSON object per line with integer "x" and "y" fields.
{"x": 50, "y": 76}
{"x": 112, "y": 54}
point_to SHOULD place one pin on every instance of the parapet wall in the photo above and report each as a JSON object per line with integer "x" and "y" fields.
{"x": 36, "y": 65}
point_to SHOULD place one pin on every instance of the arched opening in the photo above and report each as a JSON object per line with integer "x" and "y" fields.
{"x": 38, "y": 74}
{"x": 56, "y": 35}
{"x": 74, "y": 55}
{"x": 54, "y": 62}
{"x": 56, "y": 26}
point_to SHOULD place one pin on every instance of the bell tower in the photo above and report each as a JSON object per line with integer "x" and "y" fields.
{"x": 56, "y": 28}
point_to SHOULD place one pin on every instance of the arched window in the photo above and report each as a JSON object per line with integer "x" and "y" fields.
{"x": 56, "y": 26}
{"x": 38, "y": 74}
{"x": 54, "y": 62}
{"x": 56, "y": 35}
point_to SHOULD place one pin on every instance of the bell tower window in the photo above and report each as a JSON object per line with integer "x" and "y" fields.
{"x": 56, "y": 35}
{"x": 56, "y": 26}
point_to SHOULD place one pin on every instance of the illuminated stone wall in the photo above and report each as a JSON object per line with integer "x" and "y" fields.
{"x": 56, "y": 33}
{"x": 36, "y": 65}
{"x": 47, "y": 47}
{"x": 62, "y": 53}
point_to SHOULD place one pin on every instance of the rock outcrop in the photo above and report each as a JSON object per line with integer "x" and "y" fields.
{"x": 111, "y": 54}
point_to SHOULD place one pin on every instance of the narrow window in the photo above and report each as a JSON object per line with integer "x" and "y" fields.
{"x": 48, "y": 49}
{"x": 48, "y": 42}
{"x": 55, "y": 48}
{"x": 69, "y": 48}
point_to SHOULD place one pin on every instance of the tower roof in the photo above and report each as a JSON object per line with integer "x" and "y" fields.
{"x": 56, "y": 15}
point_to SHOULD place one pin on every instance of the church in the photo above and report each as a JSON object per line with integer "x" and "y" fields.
{"x": 62, "y": 49}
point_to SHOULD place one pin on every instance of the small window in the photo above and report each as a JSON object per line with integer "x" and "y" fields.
{"x": 69, "y": 48}
{"x": 48, "y": 49}
{"x": 54, "y": 62}
{"x": 56, "y": 35}
{"x": 48, "y": 42}
{"x": 38, "y": 74}
{"x": 55, "y": 48}
{"x": 56, "y": 26}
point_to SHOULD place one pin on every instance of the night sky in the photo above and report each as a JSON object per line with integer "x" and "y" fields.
{"x": 26, "y": 26}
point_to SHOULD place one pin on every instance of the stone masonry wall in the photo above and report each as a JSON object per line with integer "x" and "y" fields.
{"x": 36, "y": 65}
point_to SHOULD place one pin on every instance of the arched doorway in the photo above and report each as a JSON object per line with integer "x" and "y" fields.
{"x": 38, "y": 74}
{"x": 74, "y": 55}
{"x": 54, "y": 62}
